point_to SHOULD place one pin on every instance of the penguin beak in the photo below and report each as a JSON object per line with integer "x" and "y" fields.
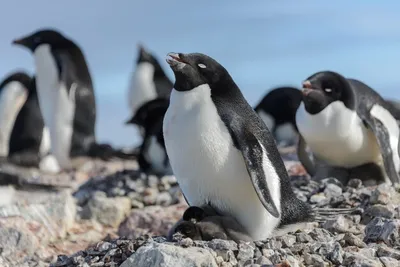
{"x": 20, "y": 41}
{"x": 176, "y": 61}
{"x": 307, "y": 88}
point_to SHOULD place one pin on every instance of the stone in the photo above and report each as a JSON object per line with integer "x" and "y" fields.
{"x": 150, "y": 196}
{"x": 353, "y": 240}
{"x": 164, "y": 199}
{"x": 7, "y": 195}
{"x": 165, "y": 255}
{"x": 219, "y": 244}
{"x": 263, "y": 261}
{"x": 154, "y": 220}
{"x": 246, "y": 252}
{"x": 384, "y": 251}
{"x": 337, "y": 225}
{"x": 389, "y": 262}
{"x": 320, "y": 235}
{"x": 288, "y": 240}
{"x": 377, "y": 211}
{"x": 55, "y": 210}
{"x": 358, "y": 260}
{"x": 336, "y": 255}
{"x": 332, "y": 190}
{"x": 381, "y": 195}
{"x": 291, "y": 261}
{"x": 107, "y": 211}
{"x": 379, "y": 229}
{"x": 303, "y": 238}
{"x": 314, "y": 260}
{"x": 318, "y": 198}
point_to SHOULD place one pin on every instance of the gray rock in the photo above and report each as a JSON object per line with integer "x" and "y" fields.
{"x": 389, "y": 262}
{"x": 384, "y": 251}
{"x": 219, "y": 244}
{"x": 263, "y": 261}
{"x": 368, "y": 252}
{"x": 273, "y": 244}
{"x": 337, "y": 225}
{"x": 7, "y": 194}
{"x": 246, "y": 252}
{"x": 303, "y": 238}
{"x": 358, "y": 260}
{"x": 379, "y": 229}
{"x": 185, "y": 242}
{"x": 336, "y": 255}
{"x": 353, "y": 240}
{"x": 314, "y": 260}
{"x": 291, "y": 261}
{"x": 150, "y": 196}
{"x": 164, "y": 199}
{"x": 381, "y": 195}
{"x": 107, "y": 211}
{"x": 332, "y": 190}
{"x": 327, "y": 181}
{"x": 320, "y": 235}
{"x": 377, "y": 211}
{"x": 318, "y": 198}
{"x": 288, "y": 240}
{"x": 165, "y": 255}
{"x": 267, "y": 252}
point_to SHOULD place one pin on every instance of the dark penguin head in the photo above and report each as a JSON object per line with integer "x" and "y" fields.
{"x": 194, "y": 213}
{"x": 195, "y": 69}
{"x": 324, "y": 88}
{"x": 43, "y": 36}
{"x": 150, "y": 112}
{"x": 188, "y": 229}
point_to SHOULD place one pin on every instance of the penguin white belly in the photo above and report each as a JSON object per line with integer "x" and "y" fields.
{"x": 208, "y": 167}
{"x": 286, "y": 133}
{"x": 142, "y": 88}
{"x": 337, "y": 135}
{"x": 12, "y": 98}
{"x": 57, "y": 105}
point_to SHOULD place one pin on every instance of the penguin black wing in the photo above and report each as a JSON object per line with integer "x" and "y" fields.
{"x": 251, "y": 136}
{"x": 376, "y": 114}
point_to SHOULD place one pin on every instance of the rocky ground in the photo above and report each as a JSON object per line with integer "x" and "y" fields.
{"x": 110, "y": 214}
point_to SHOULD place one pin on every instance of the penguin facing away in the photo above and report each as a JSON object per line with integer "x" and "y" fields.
{"x": 66, "y": 96}
{"x": 347, "y": 124}
{"x": 223, "y": 154}
{"x": 148, "y": 81}
{"x": 278, "y": 111}
{"x": 152, "y": 154}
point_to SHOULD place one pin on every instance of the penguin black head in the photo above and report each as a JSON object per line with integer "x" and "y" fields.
{"x": 149, "y": 112}
{"x": 18, "y": 76}
{"x": 43, "y": 36}
{"x": 194, "y": 213}
{"x": 323, "y": 88}
{"x": 145, "y": 56}
{"x": 194, "y": 69}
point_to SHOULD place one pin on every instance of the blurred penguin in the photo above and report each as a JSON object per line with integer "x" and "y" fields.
{"x": 152, "y": 156}
{"x": 278, "y": 109}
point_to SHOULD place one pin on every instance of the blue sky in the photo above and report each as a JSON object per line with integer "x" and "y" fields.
{"x": 262, "y": 43}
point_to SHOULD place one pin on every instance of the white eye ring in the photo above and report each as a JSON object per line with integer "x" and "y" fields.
{"x": 202, "y": 66}
{"x": 328, "y": 90}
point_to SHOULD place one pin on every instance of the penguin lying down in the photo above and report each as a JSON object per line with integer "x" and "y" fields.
{"x": 204, "y": 223}
{"x": 349, "y": 128}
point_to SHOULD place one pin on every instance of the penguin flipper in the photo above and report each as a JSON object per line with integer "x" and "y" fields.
{"x": 253, "y": 151}
{"x": 304, "y": 158}
{"x": 387, "y": 132}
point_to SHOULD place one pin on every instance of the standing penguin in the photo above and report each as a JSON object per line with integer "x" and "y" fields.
{"x": 222, "y": 153}
{"x": 278, "y": 111}
{"x": 148, "y": 81}
{"x": 152, "y": 154}
{"x": 22, "y": 124}
{"x": 347, "y": 124}
{"x": 66, "y": 96}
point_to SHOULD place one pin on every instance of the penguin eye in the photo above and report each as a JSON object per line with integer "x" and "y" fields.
{"x": 328, "y": 90}
{"x": 202, "y": 66}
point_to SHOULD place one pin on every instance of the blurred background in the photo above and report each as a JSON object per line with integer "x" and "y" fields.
{"x": 262, "y": 43}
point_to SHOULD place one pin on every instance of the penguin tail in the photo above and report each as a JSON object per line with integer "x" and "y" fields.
{"x": 325, "y": 214}
{"x": 107, "y": 152}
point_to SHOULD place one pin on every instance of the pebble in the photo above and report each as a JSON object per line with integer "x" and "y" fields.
{"x": 332, "y": 190}
{"x": 337, "y": 225}
{"x": 355, "y": 183}
{"x": 380, "y": 229}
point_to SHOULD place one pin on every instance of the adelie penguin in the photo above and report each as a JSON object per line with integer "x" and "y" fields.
{"x": 152, "y": 157}
{"x": 346, "y": 124}
{"x": 24, "y": 139}
{"x": 223, "y": 154}
{"x": 66, "y": 96}
{"x": 148, "y": 81}
{"x": 278, "y": 111}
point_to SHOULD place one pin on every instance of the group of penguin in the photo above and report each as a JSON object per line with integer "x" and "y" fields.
{"x": 223, "y": 152}
{"x": 48, "y": 120}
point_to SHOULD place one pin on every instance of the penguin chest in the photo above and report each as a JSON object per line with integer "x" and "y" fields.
{"x": 209, "y": 169}
{"x": 142, "y": 87}
{"x": 57, "y": 103}
{"x": 338, "y": 136}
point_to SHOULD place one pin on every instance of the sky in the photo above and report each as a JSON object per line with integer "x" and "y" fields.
{"x": 261, "y": 43}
